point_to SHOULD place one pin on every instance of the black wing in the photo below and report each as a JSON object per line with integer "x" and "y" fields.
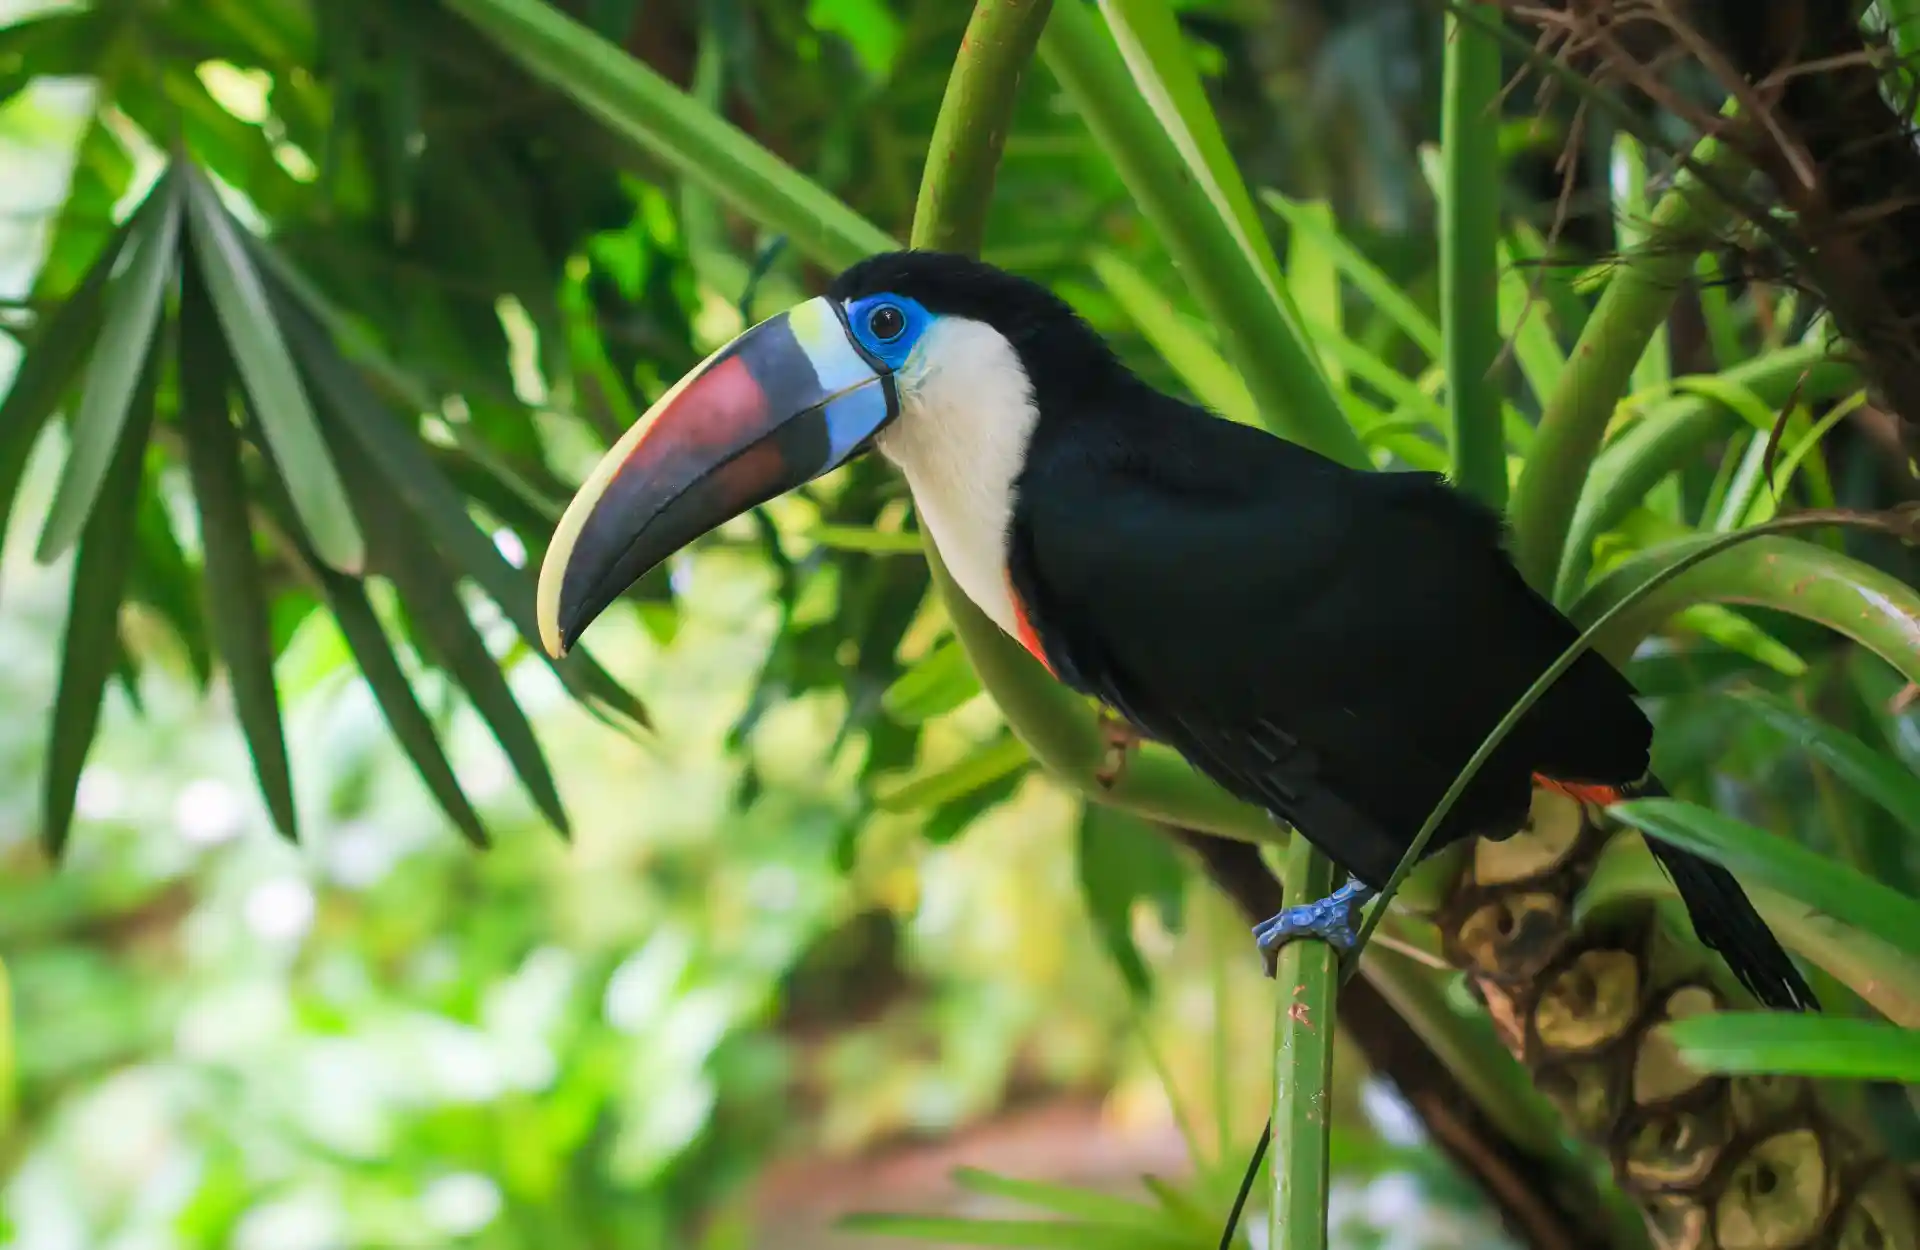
{"x": 1331, "y": 644}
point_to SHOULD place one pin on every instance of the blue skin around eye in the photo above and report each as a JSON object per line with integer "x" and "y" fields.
{"x": 891, "y": 352}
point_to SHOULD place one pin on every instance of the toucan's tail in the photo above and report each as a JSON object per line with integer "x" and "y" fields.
{"x": 1725, "y": 920}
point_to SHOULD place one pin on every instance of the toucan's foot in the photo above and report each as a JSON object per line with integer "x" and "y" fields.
{"x": 1120, "y": 738}
{"x": 1329, "y": 919}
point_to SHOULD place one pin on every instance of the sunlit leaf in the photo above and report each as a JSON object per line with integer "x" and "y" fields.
{"x": 237, "y": 611}
{"x": 53, "y": 358}
{"x": 977, "y": 768}
{"x": 866, "y": 539}
{"x": 92, "y": 641}
{"x": 1743, "y": 1042}
{"x": 279, "y": 401}
{"x": 133, "y": 307}
{"x": 936, "y": 684}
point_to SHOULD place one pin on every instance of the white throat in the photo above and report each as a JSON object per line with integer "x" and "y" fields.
{"x": 966, "y": 417}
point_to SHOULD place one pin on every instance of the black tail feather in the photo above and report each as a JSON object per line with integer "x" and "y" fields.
{"x": 1724, "y": 918}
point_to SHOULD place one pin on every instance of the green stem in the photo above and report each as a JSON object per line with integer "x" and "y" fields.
{"x": 1879, "y": 611}
{"x": 975, "y": 115}
{"x": 1307, "y": 975}
{"x": 1469, "y": 261}
{"x": 1270, "y": 349}
{"x": 1633, "y": 306}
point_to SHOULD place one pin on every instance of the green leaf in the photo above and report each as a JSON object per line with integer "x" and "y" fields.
{"x": 1155, "y": 50}
{"x": 133, "y": 307}
{"x": 955, "y": 816}
{"x": 1879, "y": 778}
{"x": 8, "y": 1082}
{"x": 411, "y": 726}
{"x": 1848, "y": 896}
{"x": 432, "y": 601}
{"x": 53, "y": 357}
{"x": 1524, "y": 319}
{"x": 279, "y": 401}
{"x": 1661, "y": 441}
{"x": 865, "y": 538}
{"x": 1236, "y": 288}
{"x": 413, "y": 476}
{"x": 1741, "y": 1042}
{"x": 237, "y": 612}
{"x": 1068, "y": 1200}
{"x": 936, "y": 684}
{"x": 671, "y": 126}
{"x": 1211, "y": 379}
{"x": 1633, "y": 307}
{"x": 1031, "y": 1234}
{"x": 1121, "y": 860}
{"x": 1382, "y": 292}
{"x": 91, "y": 645}
{"x": 978, "y": 767}
{"x": 162, "y": 579}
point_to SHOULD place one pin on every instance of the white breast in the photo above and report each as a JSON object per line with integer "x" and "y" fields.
{"x": 966, "y": 415}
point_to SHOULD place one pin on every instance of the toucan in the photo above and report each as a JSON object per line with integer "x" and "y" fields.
{"x": 1329, "y": 643}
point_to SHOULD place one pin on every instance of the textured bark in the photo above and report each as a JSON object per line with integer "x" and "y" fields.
{"x": 1745, "y": 1163}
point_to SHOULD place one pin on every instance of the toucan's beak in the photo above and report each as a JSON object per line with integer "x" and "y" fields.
{"x": 782, "y": 404}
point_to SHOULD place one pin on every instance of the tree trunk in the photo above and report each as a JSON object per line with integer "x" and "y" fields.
{"x": 1716, "y": 1163}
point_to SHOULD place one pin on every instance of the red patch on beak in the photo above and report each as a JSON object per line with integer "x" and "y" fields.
{"x": 721, "y": 409}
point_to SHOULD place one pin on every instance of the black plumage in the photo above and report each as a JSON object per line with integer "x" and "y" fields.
{"x": 1329, "y": 643}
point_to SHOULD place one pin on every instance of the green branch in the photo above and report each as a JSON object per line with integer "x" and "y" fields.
{"x": 1469, "y": 259}
{"x": 1307, "y": 974}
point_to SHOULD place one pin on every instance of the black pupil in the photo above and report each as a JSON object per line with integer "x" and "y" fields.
{"x": 886, "y": 322}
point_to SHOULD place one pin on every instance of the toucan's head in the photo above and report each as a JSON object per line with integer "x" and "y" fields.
{"x": 936, "y": 358}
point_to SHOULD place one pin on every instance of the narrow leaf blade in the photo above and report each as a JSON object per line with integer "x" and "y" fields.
{"x": 1878, "y": 777}
{"x": 134, "y": 303}
{"x": 1740, "y": 1042}
{"x": 91, "y": 646}
{"x": 360, "y": 626}
{"x": 279, "y": 400}
{"x": 54, "y": 355}
{"x": 237, "y": 609}
{"x": 432, "y": 600}
{"x": 1793, "y": 870}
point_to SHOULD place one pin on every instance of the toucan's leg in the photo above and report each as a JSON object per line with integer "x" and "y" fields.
{"x": 1120, "y": 739}
{"x": 1330, "y": 918}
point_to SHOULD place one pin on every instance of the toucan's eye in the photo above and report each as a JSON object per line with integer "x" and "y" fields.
{"x": 886, "y": 323}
